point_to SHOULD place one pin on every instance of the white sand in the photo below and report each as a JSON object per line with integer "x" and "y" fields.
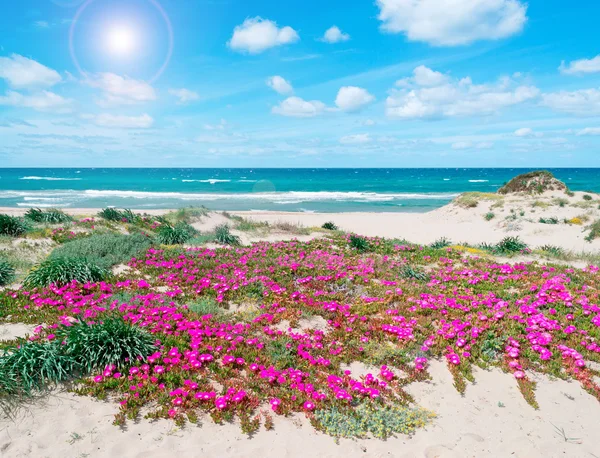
{"x": 473, "y": 426}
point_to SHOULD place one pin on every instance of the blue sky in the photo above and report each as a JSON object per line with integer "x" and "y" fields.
{"x": 266, "y": 83}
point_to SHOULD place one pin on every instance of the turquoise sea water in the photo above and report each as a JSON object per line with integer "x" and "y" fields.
{"x": 308, "y": 190}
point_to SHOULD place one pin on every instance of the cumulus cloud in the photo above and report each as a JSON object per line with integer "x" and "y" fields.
{"x": 299, "y": 108}
{"x": 121, "y": 90}
{"x": 433, "y": 95}
{"x": 352, "y": 98}
{"x": 585, "y": 102}
{"x": 589, "y": 131}
{"x": 23, "y": 73}
{"x": 44, "y": 101}
{"x": 335, "y": 35}
{"x": 463, "y": 22}
{"x": 356, "y": 139}
{"x": 581, "y": 66}
{"x": 184, "y": 95}
{"x": 280, "y": 85}
{"x": 124, "y": 122}
{"x": 256, "y": 35}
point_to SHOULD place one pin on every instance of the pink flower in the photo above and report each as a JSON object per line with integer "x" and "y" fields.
{"x": 308, "y": 406}
{"x": 519, "y": 375}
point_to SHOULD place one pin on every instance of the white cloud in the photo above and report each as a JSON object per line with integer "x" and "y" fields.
{"x": 356, "y": 139}
{"x": 352, "y": 98}
{"x": 585, "y": 102}
{"x": 470, "y": 145}
{"x": 221, "y": 126}
{"x": 44, "y": 101}
{"x": 256, "y": 35}
{"x": 121, "y": 90}
{"x": 335, "y": 35}
{"x": 23, "y": 73}
{"x": 369, "y": 123}
{"x": 589, "y": 131}
{"x": 581, "y": 66}
{"x": 433, "y": 95}
{"x": 184, "y": 95}
{"x": 459, "y": 22}
{"x": 527, "y": 132}
{"x": 280, "y": 85}
{"x": 299, "y": 108}
{"x": 124, "y": 122}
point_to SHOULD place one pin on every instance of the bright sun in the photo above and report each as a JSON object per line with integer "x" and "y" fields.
{"x": 121, "y": 40}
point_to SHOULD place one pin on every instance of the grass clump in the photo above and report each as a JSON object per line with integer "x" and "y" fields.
{"x": 60, "y": 271}
{"x": 12, "y": 226}
{"x": 224, "y": 236}
{"x": 186, "y": 215}
{"x": 594, "y": 233}
{"x": 50, "y": 216}
{"x": 560, "y": 201}
{"x": 113, "y": 341}
{"x": 553, "y": 250}
{"x": 489, "y": 216}
{"x": 551, "y": 220}
{"x": 104, "y": 250}
{"x": 410, "y": 273}
{"x": 442, "y": 242}
{"x": 330, "y": 226}
{"x": 536, "y": 182}
{"x": 178, "y": 234}
{"x": 248, "y": 225}
{"x": 374, "y": 419}
{"x": 510, "y": 245}
{"x": 587, "y": 197}
{"x": 205, "y": 306}
{"x": 359, "y": 243}
{"x": 7, "y": 272}
{"x": 472, "y": 199}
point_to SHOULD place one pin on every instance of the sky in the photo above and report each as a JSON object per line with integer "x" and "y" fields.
{"x": 271, "y": 83}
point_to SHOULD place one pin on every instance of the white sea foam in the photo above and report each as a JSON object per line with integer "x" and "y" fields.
{"x": 50, "y": 178}
{"x": 478, "y": 181}
{"x": 211, "y": 181}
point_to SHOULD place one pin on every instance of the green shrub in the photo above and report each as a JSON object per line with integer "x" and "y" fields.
{"x": 282, "y": 352}
{"x": 7, "y": 272}
{"x": 104, "y": 250}
{"x": 587, "y": 197}
{"x": 371, "y": 418}
{"x": 60, "y": 271}
{"x": 201, "y": 239}
{"x": 442, "y": 242}
{"x": 535, "y": 182}
{"x": 553, "y": 250}
{"x": 186, "y": 214}
{"x": 205, "y": 306}
{"x": 330, "y": 226}
{"x": 51, "y": 216}
{"x": 510, "y": 245}
{"x": 120, "y": 216}
{"x": 359, "y": 243}
{"x": 31, "y": 366}
{"x": 224, "y": 236}
{"x": 12, "y": 225}
{"x": 551, "y": 220}
{"x": 489, "y": 216}
{"x": 410, "y": 273}
{"x": 178, "y": 234}
{"x": 111, "y": 341}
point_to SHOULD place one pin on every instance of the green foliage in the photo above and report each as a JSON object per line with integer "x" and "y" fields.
{"x": 111, "y": 341}
{"x": 330, "y": 226}
{"x": 31, "y": 366}
{"x": 594, "y": 229}
{"x": 12, "y": 225}
{"x": 510, "y": 245}
{"x": 60, "y": 271}
{"x": 224, "y": 236}
{"x": 359, "y": 243}
{"x": 561, "y": 202}
{"x": 104, "y": 250}
{"x": 551, "y": 220}
{"x": 120, "y": 216}
{"x": 186, "y": 214}
{"x": 379, "y": 420}
{"x": 489, "y": 216}
{"x": 248, "y": 225}
{"x": 50, "y": 216}
{"x": 492, "y": 347}
{"x": 282, "y": 352}
{"x": 7, "y": 272}
{"x": 411, "y": 273}
{"x": 205, "y": 306}
{"x": 535, "y": 182}
{"x": 587, "y": 197}
{"x": 178, "y": 234}
{"x": 201, "y": 239}
{"x": 442, "y": 242}
{"x": 553, "y": 250}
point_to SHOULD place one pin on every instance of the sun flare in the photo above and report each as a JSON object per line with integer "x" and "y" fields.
{"x": 121, "y": 40}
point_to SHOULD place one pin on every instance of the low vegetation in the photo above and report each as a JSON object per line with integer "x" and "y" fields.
{"x": 50, "y": 216}
{"x": 61, "y": 271}
{"x": 536, "y": 182}
{"x": 12, "y": 226}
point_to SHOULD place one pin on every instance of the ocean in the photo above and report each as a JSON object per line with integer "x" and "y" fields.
{"x": 297, "y": 190}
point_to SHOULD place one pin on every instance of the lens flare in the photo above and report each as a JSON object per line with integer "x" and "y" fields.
{"x": 122, "y": 39}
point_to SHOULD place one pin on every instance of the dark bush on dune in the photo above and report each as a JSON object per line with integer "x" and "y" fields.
{"x": 60, "y": 271}
{"x": 536, "y": 182}
{"x": 12, "y": 226}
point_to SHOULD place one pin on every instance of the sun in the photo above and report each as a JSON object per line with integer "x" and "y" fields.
{"x": 121, "y": 40}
